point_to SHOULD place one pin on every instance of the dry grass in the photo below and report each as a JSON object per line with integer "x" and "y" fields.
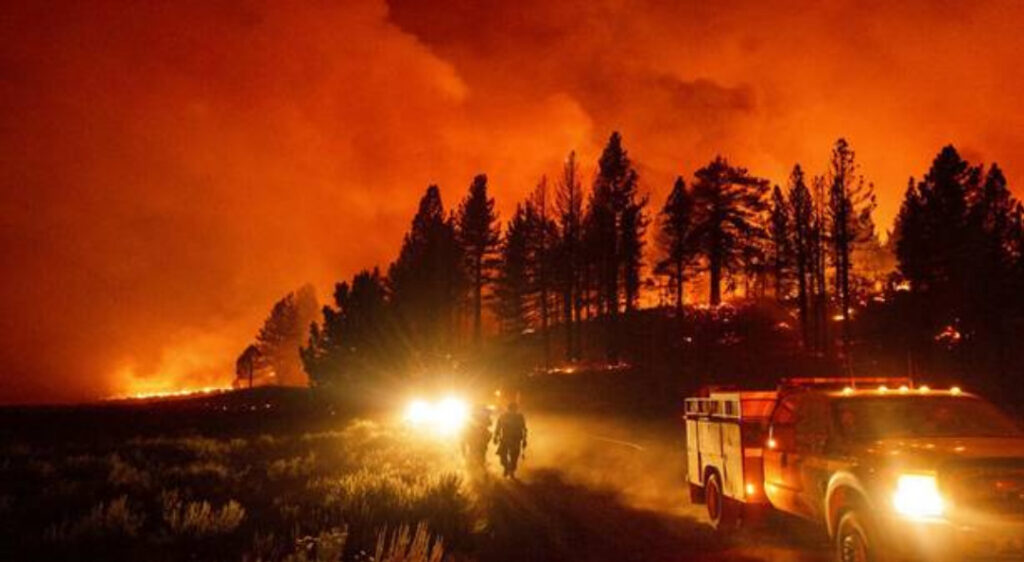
{"x": 327, "y": 495}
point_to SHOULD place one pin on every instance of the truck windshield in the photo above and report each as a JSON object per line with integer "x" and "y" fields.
{"x": 870, "y": 418}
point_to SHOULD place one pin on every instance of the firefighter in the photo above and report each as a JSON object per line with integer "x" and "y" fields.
{"x": 476, "y": 437}
{"x": 510, "y": 437}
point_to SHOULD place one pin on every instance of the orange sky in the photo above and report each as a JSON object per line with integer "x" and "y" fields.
{"x": 167, "y": 172}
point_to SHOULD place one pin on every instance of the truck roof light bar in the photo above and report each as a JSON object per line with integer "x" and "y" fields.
{"x": 846, "y": 382}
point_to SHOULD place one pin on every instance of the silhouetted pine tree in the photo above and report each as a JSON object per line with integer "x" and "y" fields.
{"x": 569, "y": 209}
{"x": 993, "y": 224}
{"x": 676, "y": 240}
{"x": 512, "y": 288}
{"x": 543, "y": 256}
{"x": 248, "y": 363}
{"x": 801, "y": 209}
{"x": 590, "y": 255}
{"x": 355, "y": 340}
{"x": 958, "y": 243}
{"x": 909, "y": 240}
{"x": 781, "y": 240}
{"x": 633, "y": 231}
{"x": 729, "y": 204}
{"x": 479, "y": 237}
{"x": 427, "y": 281}
{"x": 276, "y": 359}
{"x": 618, "y": 222}
{"x": 850, "y": 205}
{"x": 819, "y": 251}
{"x": 932, "y": 228}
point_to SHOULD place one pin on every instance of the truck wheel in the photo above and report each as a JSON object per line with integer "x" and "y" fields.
{"x": 722, "y": 511}
{"x": 855, "y": 541}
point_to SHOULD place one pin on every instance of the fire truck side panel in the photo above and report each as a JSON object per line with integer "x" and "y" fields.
{"x": 732, "y": 460}
{"x": 693, "y": 457}
{"x": 715, "y": 443}
{"x": 709, "y": 440}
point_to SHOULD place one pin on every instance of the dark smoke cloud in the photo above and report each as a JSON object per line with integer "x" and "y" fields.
{"x": 168, "y": 170}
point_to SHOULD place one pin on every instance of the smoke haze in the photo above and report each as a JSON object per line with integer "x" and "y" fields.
{"x": 168, "y": 171}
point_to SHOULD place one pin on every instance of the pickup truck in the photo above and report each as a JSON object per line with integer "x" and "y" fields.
{"x": 889, "y": 470}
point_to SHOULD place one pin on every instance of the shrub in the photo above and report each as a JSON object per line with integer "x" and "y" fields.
{"x": 125, "y": 475}
{"x": 106, "y": 520}
{"x": 296, "y": 467}
{"x": 201, "y": 470}
{"x": 405, "y": 546}
{"x": 200, "y": 519}
{"x": 327, "y": 546}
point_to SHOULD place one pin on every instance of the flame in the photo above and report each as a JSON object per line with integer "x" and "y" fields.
{"x": 186, "y": 367}
{"x": 146, "y": 395}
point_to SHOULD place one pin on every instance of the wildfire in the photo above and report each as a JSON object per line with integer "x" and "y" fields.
{"x": 949, "y": 335}
{"x": 178, "y": 393}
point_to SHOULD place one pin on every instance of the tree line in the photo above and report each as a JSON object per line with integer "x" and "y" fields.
{"x": 571, "y": 257}
{"x": 959, "y": 242}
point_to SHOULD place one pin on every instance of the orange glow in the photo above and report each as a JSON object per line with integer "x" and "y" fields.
{"x": 170, "y": 170}
{"x": 171, "y": 393}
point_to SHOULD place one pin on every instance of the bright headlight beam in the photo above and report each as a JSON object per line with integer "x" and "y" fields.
{"x": 445, "y": 417}
{"x": 418, "y": 412}
{"x": 917, "y": 495}
{"x": 451, "y": 413}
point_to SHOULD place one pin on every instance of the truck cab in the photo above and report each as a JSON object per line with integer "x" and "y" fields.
{"x": 898, "y": 472}
{"x": 887, "y": 469}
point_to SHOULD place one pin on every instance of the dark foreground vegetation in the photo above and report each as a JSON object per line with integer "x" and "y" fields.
{"x": 273, "y": 475}
{"x": 269, "y": 475}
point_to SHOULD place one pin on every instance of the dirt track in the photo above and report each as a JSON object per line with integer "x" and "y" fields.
{"x": 603, "y": 490}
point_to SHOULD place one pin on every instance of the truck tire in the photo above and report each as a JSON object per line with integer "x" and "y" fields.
{"x": 856, "y": 540}
{"x": 722, "y": 511}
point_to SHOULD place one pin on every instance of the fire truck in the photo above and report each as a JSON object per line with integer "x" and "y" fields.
{"x": 888, "y": 469}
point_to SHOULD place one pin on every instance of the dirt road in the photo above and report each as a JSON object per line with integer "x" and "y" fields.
{"x": 605, "y": 490}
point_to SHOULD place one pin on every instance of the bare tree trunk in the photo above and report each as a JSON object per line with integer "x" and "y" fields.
{"x": 716, "y": 282}
{"x": 679, "y": 287}
{"x": 544, "y": 323}
{"x": 802, "y": 297}
{"x": 478, "y": 303}
{"x": 567, "y": 319}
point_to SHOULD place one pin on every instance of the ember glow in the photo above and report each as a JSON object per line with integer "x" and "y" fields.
{"x": 179, "y": 393}
{"x": 169, "y": 169}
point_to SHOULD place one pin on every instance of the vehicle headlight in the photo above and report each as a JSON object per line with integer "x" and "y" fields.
{"x": 917, "y": 495}
{"x": 445, "y": 417}
{"x": 451, "y": 414}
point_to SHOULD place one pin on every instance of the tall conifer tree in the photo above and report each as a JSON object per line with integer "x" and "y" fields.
{"x": 479, "y": 237}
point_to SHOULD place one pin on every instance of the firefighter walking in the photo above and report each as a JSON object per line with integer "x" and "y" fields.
{"x": 475, "y": 438}
{"x": 510, "y": 437}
